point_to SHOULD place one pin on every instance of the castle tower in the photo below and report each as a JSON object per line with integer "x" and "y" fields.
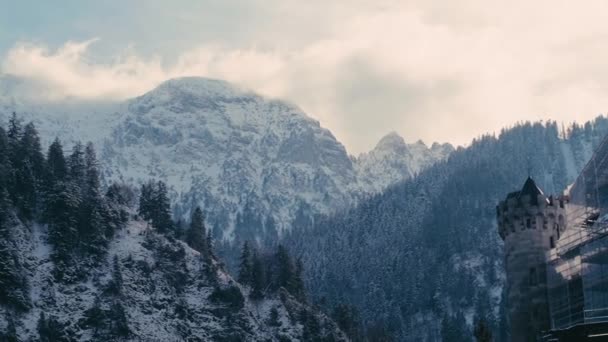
{"x": 529, "y": 224}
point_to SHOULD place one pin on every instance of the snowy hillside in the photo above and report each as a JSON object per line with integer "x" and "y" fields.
{"x": 165, "y": 292}
{"x": 255, "y": 165}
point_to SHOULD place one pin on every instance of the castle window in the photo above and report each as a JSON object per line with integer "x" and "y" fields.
{"x": 528, "y": 222}
{"x": 533, "y": 277}
{"x": 551, "y": 242}
{"x": 558, "y": 234}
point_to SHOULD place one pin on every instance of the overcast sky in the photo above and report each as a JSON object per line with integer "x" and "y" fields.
{"x": 428, "y": 69}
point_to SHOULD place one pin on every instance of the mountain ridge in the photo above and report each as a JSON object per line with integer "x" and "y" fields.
{"x": 249, "y": 160}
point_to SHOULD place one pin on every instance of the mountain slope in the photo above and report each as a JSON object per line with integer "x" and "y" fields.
{"x": 166, "y": 292}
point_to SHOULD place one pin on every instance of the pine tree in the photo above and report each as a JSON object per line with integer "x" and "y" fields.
{"x": 77, "y": 166}
{"x": 196, "y": 235}
{"x": 258, "y": 276}
{"x": 94, "y": 225}
{"x": 115, "y": 286}
{"x": 285, "y": 269}
{"x": 5, "y": 166}
{"x": 13, "y": 284}
{"x": 245, "y": 265}
{"x": 119, "y": 326}
{"x": 50, "y": 330}
{"x": 347, "y": 319}
{"x": 154, "y": 206}
{"x": 11, "y": 331}
{"x": 26, "y": 166}
{"x": 57, "y": 166}
{"x": 14, "y": 134}
{"x": 297, "y": 285}
{"x": 31, "y": 150}
{"x": 62, "y": 214}
{"x": 482, "y": 332}
{"x": 209, "y": 247}
{"x": 274, "y": 318}
{"x": 146, "y": 200}
{"x": 29, "y": 175}
{"x": 161, "y": 219}
{"x": 93, "y": 187}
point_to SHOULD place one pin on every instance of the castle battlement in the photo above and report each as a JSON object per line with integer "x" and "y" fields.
{"x": 519, "y": 212}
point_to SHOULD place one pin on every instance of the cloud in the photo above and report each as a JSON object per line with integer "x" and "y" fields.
{"x": 424, "y": 68}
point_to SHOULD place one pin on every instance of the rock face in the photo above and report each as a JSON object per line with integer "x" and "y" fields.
{"x": 256, "y": 166}
{"x": 234, "y": 151}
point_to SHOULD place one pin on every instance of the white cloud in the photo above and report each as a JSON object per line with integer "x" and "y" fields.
{"x": 425, "y": 69}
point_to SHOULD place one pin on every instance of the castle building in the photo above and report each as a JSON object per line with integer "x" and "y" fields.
{"x": 556, "y": 258}
{"x": 530, "y": 223}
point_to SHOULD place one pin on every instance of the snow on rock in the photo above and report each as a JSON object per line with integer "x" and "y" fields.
{"x": 393, "y": 161}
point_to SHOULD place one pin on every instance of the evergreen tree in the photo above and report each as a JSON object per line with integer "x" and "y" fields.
{"x": 146, "y": 200}
{"x": 14, "y": 134}
{"x": 119, "y": 326}
{"x": 13, "y": 284}
{"x": 62, "y": 214}
{"x": 482, "y": 332}
{"x": 93, "y": 187}
{"x": 31, "y": 150}
{"x": 154, "y": 206}
{"x": 285, "y": 269}
{"x": 10, "y": 335}
{"x": 258, "y": 276}
{"x": 161, "y": 219}
{"x": 209, "y": 247}
{"x": 77, "y": 166}
{"x": 454, "y": 328}
{"x": 196, "y": 235}
{"x": 115, "y": 285}
{"x": 347, "y": 319}
{"x": 5, "y": 166}
{"x": 50, "y": 330}
{"x": 245, "y": 265}
{"x": 94, "y": 228}
{"x": 30, "y": 171}
{"x": 274, "y": 318}
{"x": 57, "y": 166}
{"x": 297, "y": 285}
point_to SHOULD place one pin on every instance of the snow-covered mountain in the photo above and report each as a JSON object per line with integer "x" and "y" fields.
{"x": 256, "y": 165}
{"x": 392, "y": 161}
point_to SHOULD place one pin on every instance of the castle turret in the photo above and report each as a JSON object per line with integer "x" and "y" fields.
{"x": 530, "y": 224}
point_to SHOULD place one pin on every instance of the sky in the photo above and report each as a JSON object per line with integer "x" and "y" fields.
{"x": 427, "y": 69}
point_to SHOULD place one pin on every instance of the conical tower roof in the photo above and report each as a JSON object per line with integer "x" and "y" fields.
{"x": 530, "y": 188}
